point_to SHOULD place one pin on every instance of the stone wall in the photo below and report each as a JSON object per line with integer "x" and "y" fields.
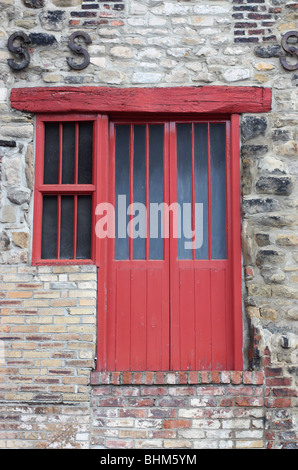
{"x": 48, "y": 313}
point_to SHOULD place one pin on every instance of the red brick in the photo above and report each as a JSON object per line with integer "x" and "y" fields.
{"x": 278, "y": 402}
{"x": 284, "y": 392}
{"x": 205, "y": 377}
{"x": 215, "y": 377}
{"x": 149, "y": 378}
{"x": 249, "y": 401}
{"x": 160, "y": 378}
{"x": 138, "y": 378}
{"x": 126, "y": 378}
{"x": 258, "y": 378}
{"x": 177, "y": 423}
{"x": 141, "y": 402}
{"x": 115, "y": 378}
{"x": 132, "y": 413}
{"x": 226, "y": 402}
{"x": 236, "y": 377}
{"x": 182, "y": 377}
{"x": 247, "y": 377}
{"x": 193, "y": 377}
{"x": 279, "y": 381}
{"x": 273, "y": 371}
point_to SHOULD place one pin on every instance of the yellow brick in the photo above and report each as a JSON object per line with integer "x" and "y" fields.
{"x": 33, "y": 371}
{"x": 4, "y": 311}
{"x": 52, "y": 329}
{"x": 21, "y": 345}
{"x": 36, "y": 303}
{"x": 5, "y": 329}
{"x": 39, "y": 320}
{"x": 36, "y": 354}
{"x": 249, "y": 444}
{"x": 50, "y": 294}
{"x": 13, "y": 353}
{"x": 75, "y": 397}
{"x": 18, "y": 397}
{"x": 65, "y": 269}
{"x": 15, "y": 319}
{"x": 51, "y": 311}
{"x": 24, "y": 329}
{"x": 66, "y": 320}
{"x": 63, "y": 302}
{"x": 82, "y": 293}
{"x": 80, "y": 311}
{"x": 51, "y": 362}
{"x": 87, "y": 302}
{"x": 80, "y": 329}
{"x": 19, "y": 295}
{"x": 82, "y": 277}
{"x": 7, "y": 286}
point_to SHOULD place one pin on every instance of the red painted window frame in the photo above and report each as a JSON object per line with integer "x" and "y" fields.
{"x": 182, "y": 100}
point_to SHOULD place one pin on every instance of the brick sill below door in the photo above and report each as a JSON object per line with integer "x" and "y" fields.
{"x": 177, "y": 378}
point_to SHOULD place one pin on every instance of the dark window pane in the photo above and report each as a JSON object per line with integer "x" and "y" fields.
{"x": 51, "y": 153}
{"x": 68, "y": 153}
{"x": 49, "y": 228}
{"x": 184, "y": 190}
{"x": 121, "y": 191}
{"x": 201, "y": 183}
{"x": 66, "y": 236}
{"x": 85, "y": 153}
{"x": 84, "y": 222}
{"x": 156, "y": 196}
{"x": 218, "y": 191}
{"x": 139, "y": 178}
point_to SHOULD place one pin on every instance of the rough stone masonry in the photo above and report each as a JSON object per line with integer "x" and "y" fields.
{"x": 50, "y": 397}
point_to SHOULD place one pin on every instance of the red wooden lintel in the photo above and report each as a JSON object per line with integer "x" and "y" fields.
{"x": 182, "y": 100}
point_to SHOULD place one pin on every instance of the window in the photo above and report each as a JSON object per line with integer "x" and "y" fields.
{"x": 164, "y": 302}
{"x": 65, "y": 191}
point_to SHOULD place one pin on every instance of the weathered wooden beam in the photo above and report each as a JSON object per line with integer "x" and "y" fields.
{"x": 182, "y": 100}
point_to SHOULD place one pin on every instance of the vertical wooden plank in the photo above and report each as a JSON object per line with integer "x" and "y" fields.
{"x": 209, "y": 195}
{"x": 218, "y": 313}
{"x": 193, "y": 197}
{"x": 147, "y": 191}
{"x": 187, "y": 319}
{"x": 236, "y": 278}
{"x": 131, "y": 155}
{"x": 123, "y": 319}
{"x": 154, "y": 319}
{"x": 203, "y": 319}
{"x": 138, "y": 322}
{"x": 100, "y": 175}
{"x": 174, "y": 272}
{"x": 39, "y": 171}
{"x": 75, "y": 225}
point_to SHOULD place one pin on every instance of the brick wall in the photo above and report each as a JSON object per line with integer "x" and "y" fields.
{"x": 183, "y": 410}
{"x": 153, "y": 410}
{"x": 48, "y": 335}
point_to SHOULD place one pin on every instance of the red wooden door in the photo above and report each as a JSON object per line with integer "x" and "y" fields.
{"x": 170, "y": 295}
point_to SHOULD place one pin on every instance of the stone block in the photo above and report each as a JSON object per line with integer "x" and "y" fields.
{"x": 21, "y": 239}
{"x": 253, "y": 126}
